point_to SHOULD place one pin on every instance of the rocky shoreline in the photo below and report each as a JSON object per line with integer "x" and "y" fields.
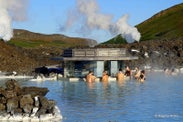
{"x": 158, "y": 54}
{"x": 26, "y": 103}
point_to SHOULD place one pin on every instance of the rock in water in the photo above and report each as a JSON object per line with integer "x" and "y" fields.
{"x": 26, "y": 103}
{"x": 12, "y": 104}
{"x": 27, "y": 108}
{"x": 12, "y": 84}
{"x": 44, "y": 105}
{"x": 44, "y": 102}
{"x": 1, "y": 90}
{"x": 2, "y": 107}
{"x": 51, "y": 106}
{"x": 9, "y": 94}
{"x": 2, "y": 100}
{"x": 34, "y": 91}
{"x": 29, "y": 102}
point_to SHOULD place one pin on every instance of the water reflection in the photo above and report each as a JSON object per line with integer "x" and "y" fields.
{"x": 120, "y": 84}
{"x": 90, "y": 85}
{"x": 105, "y": 85}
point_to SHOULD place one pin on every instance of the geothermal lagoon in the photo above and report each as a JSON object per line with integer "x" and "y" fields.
{"x": 159, "y": 98}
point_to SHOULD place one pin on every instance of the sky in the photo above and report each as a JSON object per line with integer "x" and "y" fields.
{"x": 100, "y": 20}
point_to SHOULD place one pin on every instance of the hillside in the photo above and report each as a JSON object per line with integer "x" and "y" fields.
{"x": 27, "y": 39}
{"x": 167, "y": 24}
{"x": 11, "y": 58}
{"x": 28, "y": 50}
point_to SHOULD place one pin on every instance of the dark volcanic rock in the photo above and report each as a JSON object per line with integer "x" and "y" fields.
{"x": 2, "y": 107}
{"x": 157, "y": 53}
{"x": 26, "y": 103}
{"x": 13, "y": 86}
{"x": 26, "y": 100}
{"x": 12, "y": 104}
{"x": 34, "y": 91}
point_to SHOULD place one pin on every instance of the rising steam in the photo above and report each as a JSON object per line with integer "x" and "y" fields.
{"x": 128, "y": 32}
{"x": 94, "y": 19}
{"x": 88, "y": 16}
{"x": 11, "y": 10}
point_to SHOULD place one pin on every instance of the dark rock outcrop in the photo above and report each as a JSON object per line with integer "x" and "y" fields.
{"x": 25, "y": 100}
{"x": 157, "y": 54}
{"x": 34, "y": 91}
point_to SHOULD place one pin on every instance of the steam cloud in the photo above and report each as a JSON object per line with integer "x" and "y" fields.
{"x": 11, "y": 10}
{"x": 88, "y": 13}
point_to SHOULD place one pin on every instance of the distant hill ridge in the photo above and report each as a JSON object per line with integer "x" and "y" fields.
{"x": 27, "y": 39}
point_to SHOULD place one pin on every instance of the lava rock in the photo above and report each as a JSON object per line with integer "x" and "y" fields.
{"x": 26, "y": 103}
{"x": 34, "y": 91}
{"x": 2, "y": 107}
{"x": 29, "y": 101}
{"x": 9, "y": 94}
{"x": 11, "y": 105}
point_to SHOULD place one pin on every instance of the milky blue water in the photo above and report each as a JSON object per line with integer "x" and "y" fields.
{"x": 159, "y": 99}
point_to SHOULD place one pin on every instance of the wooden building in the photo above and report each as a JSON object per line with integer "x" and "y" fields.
{"x": 77, "y": 62}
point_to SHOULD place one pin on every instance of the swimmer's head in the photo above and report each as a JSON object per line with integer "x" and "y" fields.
{"x": 90, "y": 72}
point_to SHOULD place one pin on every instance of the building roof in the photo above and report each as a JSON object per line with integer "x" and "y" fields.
{"x": 97, "y": 54}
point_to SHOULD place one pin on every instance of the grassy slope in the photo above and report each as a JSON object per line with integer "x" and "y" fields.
{"x": 27, "y": 39}
{"x": 167, "y": 24}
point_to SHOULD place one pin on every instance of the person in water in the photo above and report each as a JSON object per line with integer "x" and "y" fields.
{"x": 137, "y": 73}
{"x": 105, "y": 76}
{"x": 142, "y": 76}
{"x": 120, "y": 75}
{"x": 90, "y": 77}
{"x": 128, "y": 72}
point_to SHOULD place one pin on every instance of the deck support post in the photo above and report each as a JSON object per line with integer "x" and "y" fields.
{"x": 114, "y": 68}
{"x": 99, "y": 68}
